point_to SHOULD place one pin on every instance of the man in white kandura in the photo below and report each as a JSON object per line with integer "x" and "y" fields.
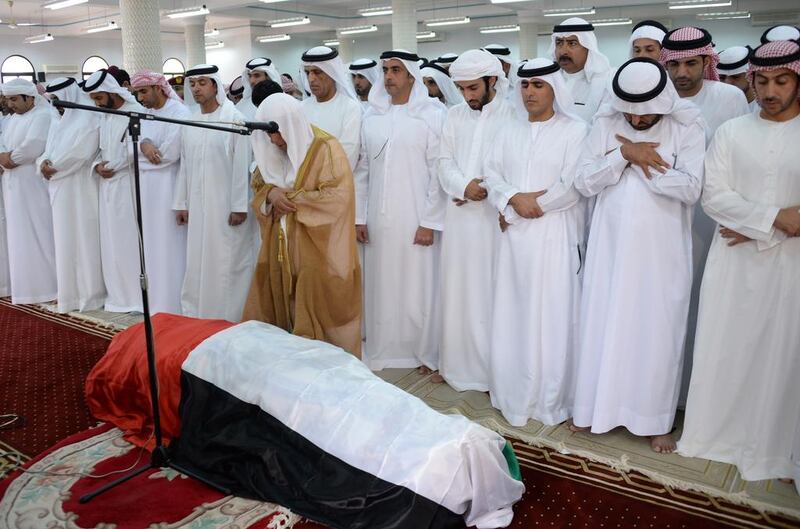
{"x": 211, "y": 196}
{"x": 644, "y": 164}
{"x": 573, "y": 45}
{"x": 645, "y": 39}
{"x": 530, "y": 174}
{"x": 744, "y": 397}
{"x": 399, "y": 207}
{"x": 470, "y": 227}
{"x": 366, "y": 74}
{"x": 119, "y": 234}
{"x": 732, "y": 69}
{"x": 160, "y": 160}
{"x": 439, "y": 85}
{"x": 72, "y": 147}
{"x": 29, "y": 219}
{"x": 333, "y": 105}
{"x": 256, "y": 70}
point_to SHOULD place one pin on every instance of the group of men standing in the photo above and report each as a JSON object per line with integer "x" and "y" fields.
{"x": 541, "y": 233}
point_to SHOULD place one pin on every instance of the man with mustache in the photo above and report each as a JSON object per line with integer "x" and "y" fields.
{"x": 439, "y": 85}
{"x": 469, "y": 238}
{"x": 119, "y": 236}
{"x": 366, "y": 73}
{"x": 574, "y": 46}
{"x": 399, "y": 212}
{"x": 643, "y": 162}
{"x": 744, "y": 397}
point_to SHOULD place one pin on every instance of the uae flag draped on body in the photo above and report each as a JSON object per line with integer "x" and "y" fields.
{"x": 281, "y": 418}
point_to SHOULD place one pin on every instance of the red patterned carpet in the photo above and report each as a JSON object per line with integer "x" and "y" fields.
{"x": 43, "y": 362}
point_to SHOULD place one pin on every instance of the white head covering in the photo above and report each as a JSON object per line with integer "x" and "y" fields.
{"x": 501, "y": 52}
{"x": 102, "y": 81}
{"x": 641, "y": 86}
{"x": 73, "y": 125}
{"x": 368, "y": 68}
{"x": 596, "y": 62}
{"x": 23, "y": 87}
{"x": 445, "y": 59}
{"x": 734, "y": 60}
{"x": 452, "y": 95}
{"x": 236, "y": 88}
{"x": 67, "y": 89}
{"x": 475, "y": 64}
{"x": 286, "y": 112}
{"x": 647, "y": 29}
{"x": 205, "y": 70}
{"x": 784, "y": 32}
{"x": 548, "y": 71}
{"x": 262, "y": 64}
{"x": 419, "y": 103}
{"x": 328, "y": 60}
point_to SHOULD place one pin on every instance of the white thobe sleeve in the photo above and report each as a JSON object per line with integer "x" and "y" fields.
{"x": 452, "y": 180}
{"x": 684, "y": 180}
{"x": 84, "y": 152}
{"x": 730, "y": 209}
{"x": 350, "y": 139}
{"x": 361, "y": 180}
{"x": 181, "y": 192}
{"x": 35, "y": 140}
{"x": 562, "y": 195}
{"x": 169, "y": 146}
{"x": 598, "y": 169}
{"x": 435, "y": 199}
{"x": 240, "y": 174}
{"x": 499, "y": 188}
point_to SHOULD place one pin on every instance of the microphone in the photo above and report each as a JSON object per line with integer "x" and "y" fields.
{"x": 65, "y": 104}
{"x": 270, "y": 127}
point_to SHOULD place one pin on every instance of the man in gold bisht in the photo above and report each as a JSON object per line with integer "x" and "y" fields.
{"x": 307, "y": 279}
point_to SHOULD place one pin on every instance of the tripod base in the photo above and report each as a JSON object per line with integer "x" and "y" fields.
{"x": 159, "y": 459}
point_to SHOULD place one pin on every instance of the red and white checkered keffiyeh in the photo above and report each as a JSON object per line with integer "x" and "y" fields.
{"x": 690, "y": 33}
{"x": 151, "y": 78}
{"x": 788, "y": 50}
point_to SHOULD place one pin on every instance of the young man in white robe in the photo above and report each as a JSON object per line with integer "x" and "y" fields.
{"x": 691, "y": 61}
{"x": 119, "y": 234}
{"x": 744, "y": 397}
{"x": 470, "y": 227}
{"x": 160, "y": 159}
{"x": 732, "y": 70}
{"x": 399, "y": 210}
{"x": 72, "y": 147}
{"x": 644, "y": 164}
{"x": 333, "y": 105}
{"x": 645, "y": 39}
{"x": 256, "y": 70}
{"x": 530, "y": 174}
{"x": 212, "y": 197}
{"x": 586, "y": 71}
{"x": 439, "y": 85}
{"x": 366, "y": 73}
{"x": 29, "y": 220}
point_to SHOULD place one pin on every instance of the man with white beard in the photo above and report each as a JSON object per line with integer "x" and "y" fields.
{"x": 366, "y": 74}
{"x": 211, "y": 196}
{"x": 29, "y": 220}
{"x": 72, "y": 146}
{"x": 573, "y": 45}
{"x": 470, "y": 227}
{"x": 644, "y": 163}
{"x": 399, "y": 207}
{"x": 164, "y": 240}
{"x": 256, "y": 70}
{"x": 530, "y": 173}
{"x": 744, "y": 397}
{"x": 439, "y": 85}
{"x": 119, "y": 234}
{"x": 333, "y": 105}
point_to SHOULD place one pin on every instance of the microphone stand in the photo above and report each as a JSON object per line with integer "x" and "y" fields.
{"x": 160, "y": 456}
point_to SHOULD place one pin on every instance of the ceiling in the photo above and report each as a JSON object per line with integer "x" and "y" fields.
{"x": 329, "y": 15}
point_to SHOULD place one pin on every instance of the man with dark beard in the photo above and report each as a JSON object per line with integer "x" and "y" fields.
{"x": 366, "y": 74}
{"x": 470, "y": 227}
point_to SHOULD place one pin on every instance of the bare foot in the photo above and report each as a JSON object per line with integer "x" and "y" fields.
{"x": 437, "y": 378}
{"x": 424, "y": 370}
{"x": 663, "y": 444}
{"x": 573, "y": 428}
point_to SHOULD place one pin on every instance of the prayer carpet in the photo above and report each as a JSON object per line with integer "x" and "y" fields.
{"x": 570, "y": 496}
{"x": 44, "y": 359}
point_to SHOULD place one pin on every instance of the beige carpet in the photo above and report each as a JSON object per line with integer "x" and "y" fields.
{"x": 618, "y": 449}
